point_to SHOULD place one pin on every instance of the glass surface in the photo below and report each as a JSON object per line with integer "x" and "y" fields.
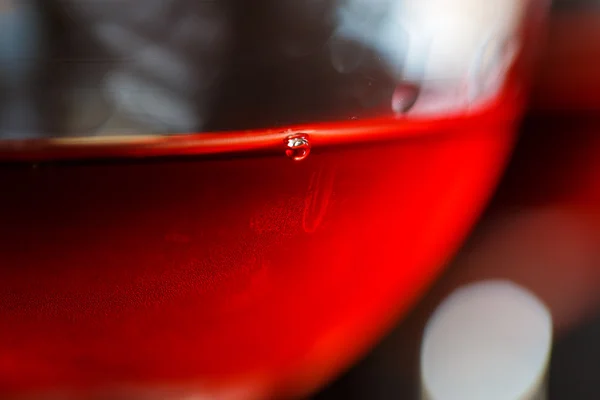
{"x": 94, "y": 67}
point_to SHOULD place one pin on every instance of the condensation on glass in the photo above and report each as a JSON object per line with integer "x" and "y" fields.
{"x": 93, "y": 67}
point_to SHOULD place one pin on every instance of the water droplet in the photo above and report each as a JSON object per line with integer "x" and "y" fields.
{"x": 297, "y": 147}
{"x": 404, "y": 98}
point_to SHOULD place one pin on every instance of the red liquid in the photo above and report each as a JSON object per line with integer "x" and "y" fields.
{"x": 240, "y": 269}
{"x": 217, "y": 271}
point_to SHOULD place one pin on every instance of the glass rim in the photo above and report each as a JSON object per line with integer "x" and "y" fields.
{"x": 505, "y": 108}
